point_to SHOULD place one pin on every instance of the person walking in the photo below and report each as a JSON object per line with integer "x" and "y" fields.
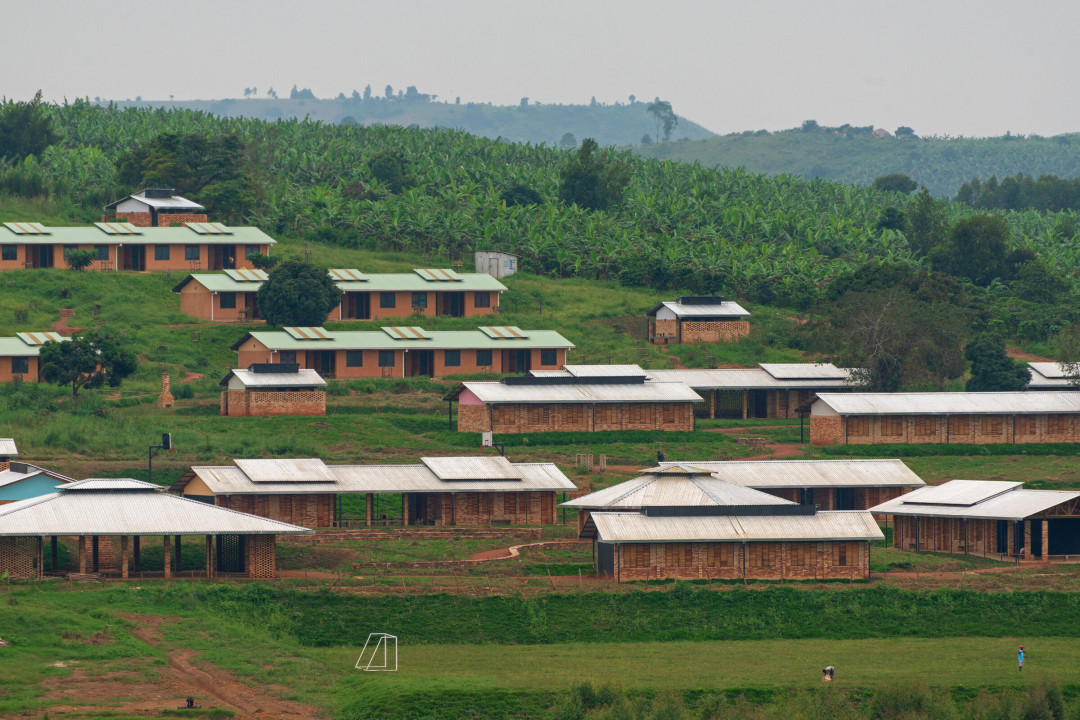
{"x": 1020, "y": 658}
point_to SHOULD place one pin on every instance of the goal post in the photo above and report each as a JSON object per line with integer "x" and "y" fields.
{"x": 379, "y": 653}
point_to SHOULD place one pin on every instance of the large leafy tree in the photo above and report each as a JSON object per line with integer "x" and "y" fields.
{"x": 209, "y": 169}
{"x": 593, "y": 179}
{"x": 991, "y": 369}
{"x": 91, "y": 360}
{"x": 976, "y": 249}
{"x": 896, "y": 182}
{"x": 297, "y": 293}
{"x": 664, "y": 116}
{"x": 25, "y": 129}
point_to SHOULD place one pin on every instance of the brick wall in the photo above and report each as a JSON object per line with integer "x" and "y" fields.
{"x": 826, "y": 430}
{"x": 18, "y": 556}
{"x": 765, "y": 560}
{"x": 264, "y": 403}
{"x": 514, "y": 508}
{"x": 261, "y": 560}
{"x": 310, "y": 511}
{"x": 663, "y": 331}
{"x": 473, "y": 418}
{"x": 711, "y": 331}
{"x": 951, "y": 535}
{"x": 522, "y": 418}
{"x": 972, "y": 429}
{"x": 142, "y": 219}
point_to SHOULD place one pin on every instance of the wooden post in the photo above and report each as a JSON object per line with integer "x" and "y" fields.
{"x": 166, "y": 559}
{"x": 369, "y": 504}
{"x": 124, "y": 557}
{"x": 404, "y": 509}
{"x": 82, "y": 554}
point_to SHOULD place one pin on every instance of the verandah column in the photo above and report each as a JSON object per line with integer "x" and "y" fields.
{"x": 82, "y": 554}
{"x": 369, "y": 508}
{"x": 166, "y": 558}
{"x": 209, "y": 557}
{"x": 124, "y": 557}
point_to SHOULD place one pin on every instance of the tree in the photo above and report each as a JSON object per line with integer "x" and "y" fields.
{"x": 893, "y": 219}
{"x": 367, "y": 91}
{"x": 520, "y": 195}
{"x": 928, "y": 222}
{"x": 905, "y": 133}
{"x": 991, "y": 369}
{"x": 91, "y": 360}
{"x": 391, "y": 168}
{"x": 593, "y": 180}
{"x": 646, "y": 139}
{"x": 79, "y": 259}
{"x": 661, "y": 110}
{"x": 568, "y": 141}
{"x": 262, "y": 262}
{"x": 25, "y": 129}
{"x": 389, "y": 92}
{"x": 297, "y": 294}
{"x": 304, "y": 94}
{"x": 976, "y": 250}
{"x": 896, "y": 182}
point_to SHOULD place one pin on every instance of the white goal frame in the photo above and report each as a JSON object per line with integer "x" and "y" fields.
{"x": 381, "y": 640}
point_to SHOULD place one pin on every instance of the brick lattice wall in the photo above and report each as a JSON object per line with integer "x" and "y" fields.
{"x": 969, "y": 429}
{"x": 261, "y": 556}
{"x": 310, "y": 511}
{"x": 946, "y": 535}
{"x": 514, "y": 508}
{"x": 826, "y": 430}
{"x": 662, "y": 331}
{"x": 710, "y": 331}
{"x": 265, "y": 403}
{"x": 18, "y": 556}
{"x": 142, "y": 219}
{"x": 588, "y": 418}
{"x": 473, "y": 418}
{"x": 771, "y": 561}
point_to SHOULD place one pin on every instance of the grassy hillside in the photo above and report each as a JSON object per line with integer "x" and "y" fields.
{"x": 941, "y": 164}
{"x": 534, "y": 123}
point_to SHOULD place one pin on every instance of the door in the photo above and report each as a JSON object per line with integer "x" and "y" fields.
{"x": 230, "y": 553}
{"x": 42, "y": 257}
{"x": 418, "y": 509}
{"x": 357, "y": 306}
{"x": 323, "y": 361}
{"x": 605, "y": 559}
{"x": 844, "y": 499}
{"x": 516, "y": 361}
{"x": 758, "y": 404}
{"x": 228, "y": 257}
{"x": 451, "y": 303}
{"x": 135, "y": 257}
{"x": 1036, "y": 539}
{"x": 421, "y": 362}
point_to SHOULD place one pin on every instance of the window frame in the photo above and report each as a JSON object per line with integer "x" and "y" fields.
{"x": 192, "y": 252}
{"x": 160, "y": 250}
{"x": 480, "y": 358}
{"x": 23, "y": 361}
{"x": 549, "y": 353}
{"x": 486, "y": 303}
{"x": 351, "y": 355}
{"x": 387, "y": 300}
{"x": 101, "y": 253}
{"x": 229, "y": 297}
{"x": 9, "y": 252}
{"x": 451, "y": 358}
{"x": 383, "y": 355}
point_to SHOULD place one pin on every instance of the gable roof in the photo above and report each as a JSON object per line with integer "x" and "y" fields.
{"x": 172, "y": 202}
{"x": 978, "y": 499}
{"x": 302, "y": 378}
{"x": 946, "y": 403}
{"x": 1049, "y": 376}
{"x": 187, "y": 234}
{"x": 381, "y": 340}
{"x": 350, "y": 280}
{"x": 576, "y": 392}
{"x": 786, "y": 474}
{"x": 769, "y": 376}
{"x": 28, "y": 344}
{"x": 674, "y": 485}
{"x": 15, "y": 475}
{"x": 625, "y": 527}
{"x": 684, "y": 309}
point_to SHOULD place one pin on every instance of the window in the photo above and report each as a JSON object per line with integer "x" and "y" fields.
{"x": 101, "y": 252}
{"x": 892, "y": 426}
{"x": 635, "y": 556}
{"x": 763, "y": 555}
{"x": 960, "y": 425}
{"x": 483, "y": 358}
{"x": 386, "y": 358}
{"x": 354, "y": 358}
{"x": 839, "y": 554}
{"x": 20, "y": 365}
{"x": 548, "y": 357}
{"x": 539, "y": 414}
{"x": 991, "y": 425}
{"x": 573, "y": 414}
{"x": 925, "y": 425}
{"x": 191, "y": 252}
{"x": 9, "y": 252}
{"x": 252, "y": 250}
{"x": 387, "y": 300}
{"x": 679, "y": 555}
{"x": 804, "y": 554}
{"x": 452, "y": 358}
{"x": 419, "y": 301}
{"x": 1056, "y": 424}
{"x": 1025, "y": 424}
{"x": 858, "y": 426}
{"x": 639, "y": 413}
{"x": 287, "y": 356}
{"x": 720, "y": 554}
{"x": 228, "y": 300}
{"x": 162, "y": 252}
{"x": 669, "y": 410}
{"x": 482, "y": 300}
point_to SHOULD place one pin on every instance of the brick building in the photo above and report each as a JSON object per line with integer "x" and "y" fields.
{"x": 680, "y": 522}
{"x": 124, "y": 246}
{"x": 19, "y": 481}
{"x": 280, "y": 389}
{"x": 111, "y": 517}
{"x": 1051, "y": 376}
{"x": 989, "y": 518}
{"x": 445, "y": 491}
{"x": 19, "y": 355}
{"x": 978, "y": 418}
{"x": 155, "y": 207}
{"x": 697, "y": 320}
{"x": 580, "y": 401}
{"x": 406, "y": 351}
{"x": 230, "y": 296}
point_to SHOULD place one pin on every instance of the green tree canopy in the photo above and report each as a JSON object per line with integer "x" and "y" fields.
{"x": 664, "y": 116}
{"x": 91, "y": 360}
{"x": 991, "y": 369}
{"x": 297, "y": 293}
{"x": 928, "y": 222}
{"x": 975, "y": 249}
{"x": 593, "y": 180}
{"x": 79, "y": 259}
{"x": 391, "y": 168}
{"x": 896, "y": 182}
{"x": 25, "y": 129}
{"x": 520, "y": 194}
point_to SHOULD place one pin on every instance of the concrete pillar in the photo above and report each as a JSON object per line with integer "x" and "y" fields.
{"x": 166, "y": 559}
{"x": 1010, "y": 538}
{"x": 1045, "y": 556}
{"x": 1027, "y": 539}
{"x": 712, "y": 403}
{"x": 369, "y": 508}
{"x": 124, "y": 557}
{"x": 82, "y": 554}
{"x": 209, "y": 557}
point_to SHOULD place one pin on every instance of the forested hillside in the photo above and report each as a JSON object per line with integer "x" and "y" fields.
{"x": 854, "y": 155}
{"x": 619, "y": 124}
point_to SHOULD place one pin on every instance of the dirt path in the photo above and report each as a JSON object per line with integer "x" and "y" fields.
{"x": 1018, "y": 354}
{"x": 127, "y": 694}
{"x": 514, "y": 550}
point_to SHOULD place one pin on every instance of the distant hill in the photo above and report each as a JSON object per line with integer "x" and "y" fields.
{"x": 854, "y": 155}
{"x": 621, "y": 124}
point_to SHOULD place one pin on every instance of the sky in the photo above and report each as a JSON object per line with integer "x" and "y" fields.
{"x": 946, "y": 68}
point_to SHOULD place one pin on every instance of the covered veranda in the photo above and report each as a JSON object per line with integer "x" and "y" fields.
{"x": 115, "y": 522}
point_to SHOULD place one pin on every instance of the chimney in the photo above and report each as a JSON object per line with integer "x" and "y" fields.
{"x": 165, "y": 400}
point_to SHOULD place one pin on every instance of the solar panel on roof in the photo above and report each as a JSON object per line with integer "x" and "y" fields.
{"x": 347, "y": 275}
{"x": 208, "y": 228}
{"x": 402, "y": 332}
{"x": 503, "y": 332}
{"x": 27, "y": 228}
{"x": 308, "y": 333}
{"x": 118, "y": 228}
{"x": 39, "y": 338}
{"x": 437, "y": 274}
{"x": 245, "y": 275}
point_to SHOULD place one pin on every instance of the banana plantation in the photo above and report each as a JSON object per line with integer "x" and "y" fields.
{"x": 680, "y": 226}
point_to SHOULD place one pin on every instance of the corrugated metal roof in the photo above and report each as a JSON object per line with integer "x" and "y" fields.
{"x": 27, "y": 228}
{"x": 208, "y": 228}
{"x": 781, "y": 474}
{"x": 1013, "y": 503}
{"x": 584, "y": 371}
{"x": 135, "y": 511}
{"x": 291, "y": 470}
{"x": 503, "y": 332}
{"x": 1050, "y": 370}
{"x": 348, "y": 275}
{"x": 307, "y": 333}
{"x": 949, "y": 403}
{"x": 10, "y": 477}
{"x": 381, "y": 282}
{"x": 472, "y": 468}
{"x": 1050, "y": 376}
{"x": 724, "y": 309}
{"x": 40, "y": 338}
{"x": 805, "y": 371}
{"x": 746, "y": 379}
{"x": 18, "y": 347}
{"x": 174, "y": 202}
{"x": 7, "y": 447}
{"x": 623, "y": 527}
{"x": 305, "y": 377}
{"x": 583, "y": 392}
{"x": 407, "y": 332}
{"x": 118, "y": 228}
{"x": 440, "y": 340}
{"x": 226, "y": 480}
{"x": 964, "y": 493}
{"x": 437, "y": 274}
{"x": 682, "y": 490}
{"x": 247, "y": 276}
{"x": 92, "y": 235}
{"x": 110, "y": 484}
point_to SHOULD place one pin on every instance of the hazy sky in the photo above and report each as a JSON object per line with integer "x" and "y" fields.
{"x": 972, "y": 67}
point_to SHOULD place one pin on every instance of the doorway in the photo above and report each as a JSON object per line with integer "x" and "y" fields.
{"x": 42, "y": 256}
{"x": 757, "y": 404}
{"x": 222, "y": 257}
{"x": 134, "y": 257}
{"x": 421, "y": 363}
{"x": 323, "y": 361}
{"x": 450, "y": 303}
{"x": 357, "y": 306}
{"x": 516, "y": 361}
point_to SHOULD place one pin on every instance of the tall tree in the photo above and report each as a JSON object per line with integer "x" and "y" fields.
{"x": 928, "y": 222}
{"x": 665, "y": 116}
{"x": 297, "y": 294}
{"x": 976, "y": 249}
{"x": 25, "y": 129}
{"x": 992, "y": 370}
{"x": 896, "y": 182}
{"x": 593, "y": 180}
{"x": 91, "y": 360}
